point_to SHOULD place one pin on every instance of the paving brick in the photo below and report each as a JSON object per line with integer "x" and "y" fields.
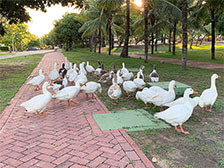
{"x": 12, "y": 162}
{"x": 44, "y": 164}
{"x": 29, "y": 156}
{"x": 62, "y": 159}
{"x": 79, "y": 160}
{"x": 96, "y": 162}
{"x": 46, "y": 158}
{"x": 132, "y": 155}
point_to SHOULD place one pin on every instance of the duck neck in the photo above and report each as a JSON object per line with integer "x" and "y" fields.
{"x": 213, "y": 83}
{"x": 44, "y": 89}
{"x": 171, "y": 89}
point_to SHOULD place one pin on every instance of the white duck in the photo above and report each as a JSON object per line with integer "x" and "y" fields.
{"x": 143, "y": 96}
{"x": 37, "y": 80}
{"x": 194, "y": 101}
{"x": 140, "y": 72}
{"x": 119, "y": 78}
{"x": 159, "y": 96}
{"x": 82, "y": 78}
{"x": 89, "y": 68}
{"x": 73, "y": 75}
{"x": 127, "y": 76}
{"x": 124, "y": 70}
{"x": 129, "y": 87}
{"x": 178, "y": 114}
{"x": 58, "y": 85}
{"x": 68, "y": 93}
{"x": 153, "y": 76}
{"x": 139, "y": 82}
{"x": 114, "y": 91}
{"x": 66, "y": 64}
{"x": 209, "y": 96}
{"x": 91, "y": 88}
{"x": 70, "y": 70}
{"x": 38, "y": 103}
{"x": 54, "y": 73}
{"x": 82, "y": 69}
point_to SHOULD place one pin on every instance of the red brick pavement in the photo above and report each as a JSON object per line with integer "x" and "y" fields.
{"x": 66, "y": 137}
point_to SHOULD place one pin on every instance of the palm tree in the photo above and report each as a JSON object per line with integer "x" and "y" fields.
{"x": 184, "y": 30}
{"x": 124, "y": 52}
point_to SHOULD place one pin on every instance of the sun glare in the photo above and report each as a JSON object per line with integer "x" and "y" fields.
{"x": 138, "y": 2}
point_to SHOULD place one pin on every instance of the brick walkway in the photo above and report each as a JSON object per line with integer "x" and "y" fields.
{"x": 66, "y": 137}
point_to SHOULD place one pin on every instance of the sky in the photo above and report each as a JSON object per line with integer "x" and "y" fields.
{"x": 42, "y": 22}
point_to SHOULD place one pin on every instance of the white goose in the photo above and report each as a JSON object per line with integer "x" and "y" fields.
{"x": 209, "y": 96}
{"x": 178, "y": 114}
{"x": 54, "y": 73}
{"x": 82, "y": 69}
{"x": 127, "y": 76}
{"x": 124, "y": 70}
{"x": 159, "y": 96}
{"x": 194, "y": 101}
{"x": 38, "y": 103}
{"x": 153, "y": 76}
{"x": 58, "y": 85}
{"x": 37, "y": 80}
{"x": 68, "y": 93}
{"x": 129, "y": 87}
{"x": 66, "y": 64}
{"x": 119, "y": 78}
{"x": 70, "y": 70}
{"x": 140, "y": 72}
{"x": 139, "y": 82}
{"x": 143, "y": 96}
{"x": 114, "y": 91}
{"x": 91, "y": 88}
{"x": 73, "y": 75}
{"x": 89, "y": 68}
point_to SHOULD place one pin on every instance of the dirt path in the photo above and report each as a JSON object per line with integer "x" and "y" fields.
{"x": 190, "y": 63}
{"x": 66, "y": 137}
{"x": 24, "y": 53}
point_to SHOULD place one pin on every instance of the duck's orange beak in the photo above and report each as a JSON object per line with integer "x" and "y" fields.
{"x": 219, "y": 76}
{"x": 194, "y": 92}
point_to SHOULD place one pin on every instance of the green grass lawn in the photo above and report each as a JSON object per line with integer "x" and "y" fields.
{"x": 14, "y": 72}
{"x": 198, "y": 53}
{"x": 206, "y": 138}
{"x": 3, "y": 53}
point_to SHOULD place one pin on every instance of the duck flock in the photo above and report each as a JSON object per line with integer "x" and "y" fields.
{"x": 70, "y": 80}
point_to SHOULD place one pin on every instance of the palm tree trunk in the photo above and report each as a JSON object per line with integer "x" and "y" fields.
{"x": 184, "y": 30}
{"x": 110, "y": 38}
{"x": 124, "y": 52}
{"x": 99, "y": 41}
{"x": 164, "y": 39}
{"x": 174, "y": 36}
{"x": 213, "y": 33}
{"x": 156, "y": 42}
{"x": 192, "y": 39}
{"x": 152, "y": 46}
{"x": 112, "y": 41}
{"x": 146, "y": 11}
{"x": 170, "y": 33}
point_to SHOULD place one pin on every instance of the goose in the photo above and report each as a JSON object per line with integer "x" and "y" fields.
{"x": 38, "y": 103}
{"x": 68, "y": 93}
{"x": 194, "y": 101}
{"x": 37, "y": 80}
{"x": 54, "y": 73}
{"x": 180, "y": 113}
{"x": 89, "y": 68}
{"x": 124, "y": 70}
{"x": 127, "y": 76}
{"x": 98, "y": 69}
{"x": 140, "y": 72}
{"x": 82, "y": 69}
{"x": 82, "y": 78}
{"x": 159, "y": 96}
{"x": 59, "y": 84}
{"x": 70, "y": 70}
{"x": 153, "y": 76}
{"x": 91, "y": 88}
{"x": 139, "y": 82}
{"x": 62, "y": 71}
{"x": 119, "y": 78}
{"x": 114, "y": 91}
{"x": 129, "y": 87}
{"x": 105, "y": 78}
{"x": 209, "y": 96}
{"x": 66, "y": 64}
{"x": 73, "y": 75}
{"x": 143, "y": 96}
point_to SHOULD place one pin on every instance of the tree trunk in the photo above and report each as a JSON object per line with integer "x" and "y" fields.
{"x": 174, "y": 36}
{"x": 146, "y": 21}
{"x": 95, "y": 43}
{"x": 152, "y": 44}
{"x": 99, "y": 41}
{"x": 124, "y": 52}
{"x": 164, "y": 39}
{"x": 170, "y": 33}
{"x": 90, "y": 43}
{"x": 112, "y": 41}
{"x": 192, "y": 39}
{"x": 213, "y": 33}
{"x": 156, "y": 42}
{"x": 110, "y": 36}
{"x": 184, "y": 30}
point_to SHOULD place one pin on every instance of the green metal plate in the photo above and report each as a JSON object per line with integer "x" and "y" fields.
{"x": 179, "y": 90}
{"x": 130, "y": 120}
